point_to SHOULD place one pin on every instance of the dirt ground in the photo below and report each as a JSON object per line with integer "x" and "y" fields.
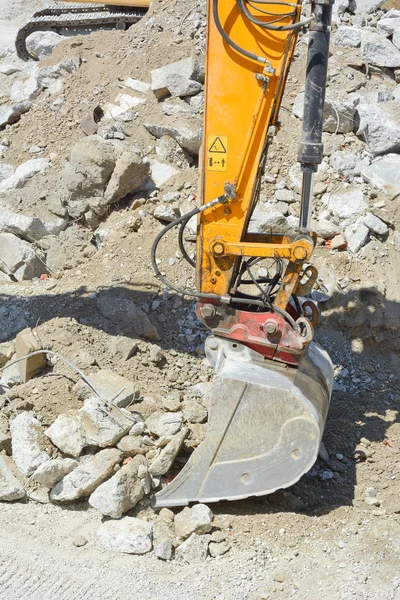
{"x": 318, "y": 539}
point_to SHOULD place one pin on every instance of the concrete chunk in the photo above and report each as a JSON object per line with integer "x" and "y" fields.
{"x": 128, "y": 177}
{"x": 379, "y": 126}
{"x": 375, "y": 224}
{"x": 10, "y": 487}
{"x": 67, "y": 434}
{"x": 28, "y": 443}
{"x": 107, "y": 384}
{"x": 194, "y": 549}
{"x": 23, "y": 173}
{"x": 103, "y": 425}
{"x": 378, "y": 50}
{"x": 50, "y": 473}
{"x": 122, "y": 492}
{"x": 164, "y": 461}
{"x": 128, "y": 535}
{"x": 384, "y": 173}
{"x": 165, "y": 79}
{"x": 347, "y": 36}
{"x": 197, "y": 519}
{"x": 164, "y": 424}
{"x": 83, "y": 480}
{"x": 187, "y": 138}
{"x": 18, "y": 258}
{"x": 356, "y": 236}
{"x": 346, "y": 205}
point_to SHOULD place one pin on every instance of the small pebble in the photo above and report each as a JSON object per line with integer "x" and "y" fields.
{"x": 79, "y": 540}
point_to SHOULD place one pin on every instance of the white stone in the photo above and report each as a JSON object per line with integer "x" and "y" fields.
{"x": 356, "y": 236}
{"x": 375, "y": 224}
{"x": 325, "y": 228}
{"x": 188, "y": 139}
{"x": 197, "y": 519}
{"x": 103, "y": 425}
{"x": 28, "y": 443}
{"x": 164, "y": 461}
{"x": 50, "y": 472}
{"x": 194, "y": 549}
{"x": 284, "y": 196}
{"x": 128, "y": 535}
{"x": 24, "y": 172}
{"x": 264, "y": 221}
{"x": 18, "y": 258}
{"x": 83, "y": 480}
{"x": 137, "y": 86}
{"x": 347, "y": 36}
{"x": 389, "y": 26}
{"x": 166, "y": 212}
{"x": 31, "y": 228}
{"x": 163, "y": 79}
{"x": 396, "y": 39}
{"x": 379, "y": 51}
{"x": 66, "y": 433}
{"x": 42, "y": 78}
{"x": 8, "y": 69}
{"x": 108, "y": 384}
{"x": 367, "y": 6}
{"x": 164, "y": 549}
{"x": 346, "y": 205}
{"x": 164, "y": 424}
{"x": 42, "y": 43}
{"x": 384, "y": 173}
{"x": 379, "y": 126}
{"x": 5, "y": 171}
{"x": 161, "y": 172}
{"x": 122, "y": 492}
{"x": 344, "y": 163}
{"x": 10, "y": 488}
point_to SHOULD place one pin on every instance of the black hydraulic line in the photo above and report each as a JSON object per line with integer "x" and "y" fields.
{"x": 291, "y": 27}
{"x": 231, "y": 43}
{"x": 182, "y": 245}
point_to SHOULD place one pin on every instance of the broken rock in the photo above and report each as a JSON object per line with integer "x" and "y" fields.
{"x": 164, "y": 461}
{"x": 42, "y": 43}
{"x": 29, "y": 444}
{"x": 164, "y": 424}
{"x": 347, "y": 36}
{"x": 375, "y": 224}
{"x": 83, "y": 480}
{"x": 24, "y": 172}
{"x": 110, "y": 386}
{"x": 197, "y": 520}
{"x": 187, "y": 138}
{"x": 164, "y": 549}
{"x": 194, "y": 549}
{"x": 346, "y": 205}
{"x": 121, "y": 309}
{"x": 66, "y": 433}
{"x": 26, "y": 343}
{"x": 379, "y": 126}
{"x": 356, "y": 236}
{"x": 179, "y": 78}
{"x": 12, "y": 114}
{"x": 378, "y": 50}
{"x": 122, "y": 492}
{"x": 384, "y": 173}
{"x": 50, "y": 472}
{"x": 103, "y": 425}
{"x": 128, "y": 535}
{"x": 10, "y": 488}
{"x": 128, "y": 177}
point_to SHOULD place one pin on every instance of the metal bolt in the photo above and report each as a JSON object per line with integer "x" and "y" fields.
{"x": 299, "y": 253}
{"x": 270, "y": 328}
{"x": 218, "y": 248}
{"x": 207, "y": 311}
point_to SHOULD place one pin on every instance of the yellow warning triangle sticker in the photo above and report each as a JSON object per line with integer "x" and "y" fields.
{"x": 217, "y": 146}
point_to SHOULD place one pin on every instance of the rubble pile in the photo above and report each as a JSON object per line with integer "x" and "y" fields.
{"x": 99, "y": 149}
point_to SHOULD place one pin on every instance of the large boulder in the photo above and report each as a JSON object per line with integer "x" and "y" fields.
{"x": 18, "y": 258}
{"x": 379, "y": 51}
{"x": 379, "y": 126}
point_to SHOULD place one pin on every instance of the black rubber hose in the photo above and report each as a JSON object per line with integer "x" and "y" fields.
{"x": 182, "y": 245}
{"x": 229, "y": 41}
{"x": 267, "y": 26}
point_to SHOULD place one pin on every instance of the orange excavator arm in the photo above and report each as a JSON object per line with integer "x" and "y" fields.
{"x": 270, "y": 396}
